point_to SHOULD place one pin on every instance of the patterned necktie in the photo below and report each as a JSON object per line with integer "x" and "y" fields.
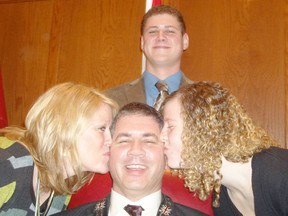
{"x": 163, "y": 93}
{"x": 134, "y": 210}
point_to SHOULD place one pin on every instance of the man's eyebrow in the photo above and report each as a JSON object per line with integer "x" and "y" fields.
{"x": 150, "y": 135}
{"x": 123, "y": 135}
{"x": 128, "y": 135}
{"x": 159, "y": 26}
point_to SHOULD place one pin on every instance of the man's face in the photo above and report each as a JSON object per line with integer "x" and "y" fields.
{"x": 137, "y": 160}
{"x": 162, "y": 40}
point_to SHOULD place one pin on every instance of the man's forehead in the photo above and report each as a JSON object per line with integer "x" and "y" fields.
{"x": 137, "y": 122}
{"x": 162, "y": 26}
{"x": 132, "y": 116}
{"x": 136, "y": 133}
{"x": 161, "y": 18}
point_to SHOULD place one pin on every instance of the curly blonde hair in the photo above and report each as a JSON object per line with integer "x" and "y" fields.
{"x": 52, "y": 129}
{"x": 215, "y": 125}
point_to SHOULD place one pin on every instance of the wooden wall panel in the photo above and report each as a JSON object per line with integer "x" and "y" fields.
{"x": 239, "y": 43}
{"x": 24, "y": 42}
{"x": 100, "y": 43}
{"x": 48, "y": 42}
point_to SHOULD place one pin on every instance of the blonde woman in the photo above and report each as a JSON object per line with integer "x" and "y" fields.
{"x": 217, "y": 148}
{"x": 65, "y": 141}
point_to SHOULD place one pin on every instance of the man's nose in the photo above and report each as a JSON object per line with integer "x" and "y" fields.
{"x": 161, "y": 35}
{"x": 136, "y": 148}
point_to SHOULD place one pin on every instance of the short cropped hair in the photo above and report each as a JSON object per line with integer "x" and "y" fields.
{"x": 137, "y": 109}
{"x": 163, "y": 9}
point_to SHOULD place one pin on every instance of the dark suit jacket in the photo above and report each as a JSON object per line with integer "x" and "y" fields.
{"x": 101, "y": 208}
{"x": 133, "y": 91}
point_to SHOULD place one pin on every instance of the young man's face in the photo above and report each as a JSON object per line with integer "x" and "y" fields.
{"x": 162, "y": 41}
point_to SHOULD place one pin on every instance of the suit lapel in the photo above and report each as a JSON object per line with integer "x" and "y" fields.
{"x": 102, "y": 207}
{"x": 136, "y": 86}
{"x": 185, "y": 80}
{"x": 166, "y": 207}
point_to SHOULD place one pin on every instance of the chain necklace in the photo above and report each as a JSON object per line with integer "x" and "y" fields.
{"x": 38, "y": 206}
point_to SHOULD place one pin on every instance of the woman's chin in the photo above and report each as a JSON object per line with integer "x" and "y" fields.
{"x": 173, "y": 165}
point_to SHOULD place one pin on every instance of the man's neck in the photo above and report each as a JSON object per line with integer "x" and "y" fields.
{"x": 163, "y": 72}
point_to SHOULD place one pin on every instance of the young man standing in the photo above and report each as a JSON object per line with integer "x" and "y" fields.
{"x": 163, "y": 41}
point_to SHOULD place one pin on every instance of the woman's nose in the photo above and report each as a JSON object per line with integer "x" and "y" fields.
{"x": 108, "y": 140}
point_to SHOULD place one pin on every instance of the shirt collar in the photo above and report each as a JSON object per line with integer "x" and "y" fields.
{"x": 150, "y": 203}
{"x": 150, "y": 80}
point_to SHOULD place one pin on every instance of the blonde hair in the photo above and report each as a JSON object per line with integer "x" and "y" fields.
{"x": 53, "y": 126}
{"x": 215, "y": 125}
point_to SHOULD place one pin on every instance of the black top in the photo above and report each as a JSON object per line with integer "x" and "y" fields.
{"x": 269, "y": 184}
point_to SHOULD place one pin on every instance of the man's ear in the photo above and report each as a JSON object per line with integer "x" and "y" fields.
{"x": 166, "y": 162}
{"x": 141, "y": 42}
{"x": 185, "y": 41}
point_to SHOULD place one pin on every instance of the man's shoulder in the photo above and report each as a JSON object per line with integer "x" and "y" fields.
{"x": 181, "y": 210}
{"x": 123, "y": 87}
{"x": 185, "y": 80}
{"x": 128, "y": 92}
{"x": 98, "y": 208}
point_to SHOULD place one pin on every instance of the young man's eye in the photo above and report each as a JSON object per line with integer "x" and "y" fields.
{"x": 170, "y": 31}
{"x": 152, "y": 32}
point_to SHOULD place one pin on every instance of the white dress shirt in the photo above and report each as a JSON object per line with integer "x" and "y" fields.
{"x": 150, "y": 204}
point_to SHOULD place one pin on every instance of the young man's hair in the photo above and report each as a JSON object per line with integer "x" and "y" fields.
{"x": 163, "y": 9}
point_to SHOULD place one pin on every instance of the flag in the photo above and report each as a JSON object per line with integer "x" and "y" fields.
{"x": 152, "y": 3}
{"x": 156, "y": 3}
{"x": 3, "y": 115}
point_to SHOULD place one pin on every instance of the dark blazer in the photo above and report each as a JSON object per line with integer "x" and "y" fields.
{"x": 133, "y": 91}
{"x": 101, "y": 208}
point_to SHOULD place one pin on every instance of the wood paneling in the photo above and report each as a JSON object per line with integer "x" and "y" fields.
{"x": 48, "y": 42}
{"x": 24, "y": 41}
{"x": 17, "y": 1}
{"x": 239, "y": 43}
{"x": 100, "y": 42}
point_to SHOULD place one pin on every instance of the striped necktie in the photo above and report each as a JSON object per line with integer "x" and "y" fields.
{"x": 163, "y": 93}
